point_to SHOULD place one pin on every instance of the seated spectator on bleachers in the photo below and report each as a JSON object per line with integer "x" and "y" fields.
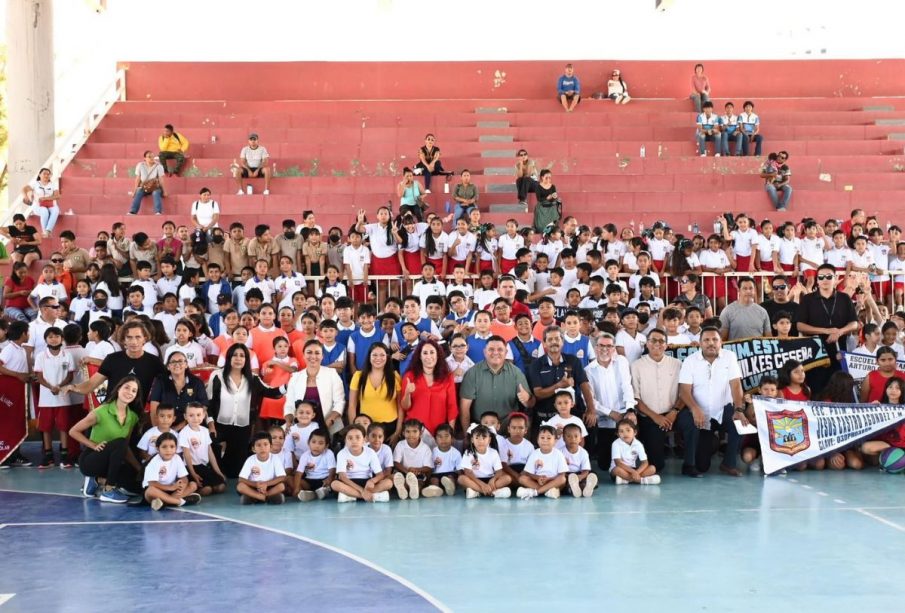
{"x": 16, "y": 290}
{"x": 466, "y": 195}
{"x": 525, "y": 177}
{"x": 118, "y": 246}
{"x": 548, "y": 210}
{"x": 708, "y": 130}
{"x": 617, "y": 89}
{"x": 700, "y": 88}
{"x": 429, "y": 162}
{"x": 148, "y": 182}
{"x": 172, "y": 146}
{"x": 254, "y": 162}
{"x": 25, "y": 240}
{"x": 568, "y": 89}
{"x": 409, "y": 192}
{"x": 777, "y": 175}
{"x": 205, "y": 211}
{"x": 42, "y": 194}
{"x": 751, "y": 129}
{"x": 730, "y": 130}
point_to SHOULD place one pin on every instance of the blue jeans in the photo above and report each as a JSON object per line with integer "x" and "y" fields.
{"x": 460, "y": 211}
{"x": 758, "y": 140}
{"x": 48, "y": 217}
{"x": 703, "y": 139}
{"x": 725, "y": 137}
{"x": 699, "y": 99}
{"x": 27, "y": 314}
{"x": 779, "y": 202}
{"x": 699, "y": 443}
{"x": 140, "y": 194}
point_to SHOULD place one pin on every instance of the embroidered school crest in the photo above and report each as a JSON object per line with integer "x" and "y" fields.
{"x": 788, "y": 431}
{"x": 475, "y": 462}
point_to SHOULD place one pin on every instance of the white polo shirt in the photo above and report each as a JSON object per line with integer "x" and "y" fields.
{"x": 413, "y": 457}
{"x": 710, "y": 381}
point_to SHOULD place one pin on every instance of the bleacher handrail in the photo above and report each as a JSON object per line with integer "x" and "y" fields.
{"x": 114, "y": 92}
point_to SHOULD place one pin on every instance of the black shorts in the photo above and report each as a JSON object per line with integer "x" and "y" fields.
{"x": 208, "y": 476}
{"x": 246, "y": 174}
{"x": 484, "y": 479}
{"x": 441, "y": 475}
{"x": 517, "y": 467}
{"x": 359, "y": 482}
{"x": 570, "y": 98}
{"x": 314, "y": 484}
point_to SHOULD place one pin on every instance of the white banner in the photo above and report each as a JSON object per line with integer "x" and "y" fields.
{"x": 859, "y": 365}
{"x": 792, "y": 432}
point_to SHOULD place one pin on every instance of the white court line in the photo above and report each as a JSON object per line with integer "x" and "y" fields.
{"x": 882, "y": 520}
{"x": 839, "y": 500}
{"x": 26, "y": 524}
{"x": 337, "y": 550}
{"x": 822, "y": 494}
{"x": 4, "y": 598}
{"x": 46, "y": 493}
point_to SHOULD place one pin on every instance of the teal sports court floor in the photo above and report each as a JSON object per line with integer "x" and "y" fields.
{"x": 814, "y": 541}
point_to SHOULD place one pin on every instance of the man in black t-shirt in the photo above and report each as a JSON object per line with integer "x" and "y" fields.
{"x": 785, "y": 298}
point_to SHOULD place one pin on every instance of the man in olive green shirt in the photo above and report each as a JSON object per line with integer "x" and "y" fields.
{"x": 494, "y": 384}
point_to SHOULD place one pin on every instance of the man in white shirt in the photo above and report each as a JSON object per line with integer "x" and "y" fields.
{"x": 49, "y": 310}
{"x": 710, "y": 385}
{"x": 254, "y": 162}
{"x": 611, "y": 388}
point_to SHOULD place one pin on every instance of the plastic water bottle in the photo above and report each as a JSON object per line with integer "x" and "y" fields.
{"x": 447, "y": 207}
{"x": 643, "y": 151}
{"x": 695, "y": 228}
{"x": 249, "y": 189}
{"x": 213, "y": 139}
{"x": 446, "y": 188}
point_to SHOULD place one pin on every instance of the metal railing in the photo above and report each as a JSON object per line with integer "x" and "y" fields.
{"x": 65, "y": 152}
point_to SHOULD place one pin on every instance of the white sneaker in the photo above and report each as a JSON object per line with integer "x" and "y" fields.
{"x": 589, "y": 484}
{"x": 703, "y": 155}
{"x": 470, "y": 493}
{"x": 652, "y": 480}
{"x": 321, "y": 492}
{"x": 525, "y": 493}
{"x": 553, "y": 492}
{"x": 399, "y": 484}
{"x": 574, "y": 485}
{"x": 621, "y": 481}
{"x": 157, "y": 504}
{"x": 417, "y": 172}
{"x": 340, "y": 497}
{"x": 266, "y": 192}
{"x": 503, "y": 492}
{"x": 449, "y": 486}
{"x": 411, "y": 480}
{"x": 432, "y": 491}
{"x": 716, "y": 155}
{"x": 382, "y": 497}
{"x": 241, "y": 192}
{"x": 755, "y": 465}
{"x": 306, "y": 496}
{"x": 427, "y": 191}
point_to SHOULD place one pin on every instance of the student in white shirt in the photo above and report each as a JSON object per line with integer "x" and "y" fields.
{"x": 356, "y": 265}
{"x": 205, "y": 211}
{"x": 262, "y": 478}
{"x": 414, "y": 463}
{"x": 147, "y": 446}
{"x": 446, "y": 460}
{"x": 514, "y": 451}
{"x": 54, "y": 368}
{"x": 629, "y": 460}
{"x": 562, "y": 402}
{"x": 316, "y": 469}
{"x": 358, "y": 471}
{"x": 481, "y": 468}
{"x": 201, "y": 461}
{"x": 546, "y": 468}
{"x": 582, "y": 479}
{"x": 166, "y": 479}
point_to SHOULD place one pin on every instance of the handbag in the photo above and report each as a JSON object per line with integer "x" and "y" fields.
{"x": 151, "y": 185}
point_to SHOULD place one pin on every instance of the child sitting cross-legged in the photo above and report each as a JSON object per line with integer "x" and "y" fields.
{"x": 446, "y": 460}
{"x": 201, "y": 461}
{"x": 546, "y": 468}
{"x": 414, "y": 464}
{"x": 581, "y": 479}
{"x": 629, "y": 463}
{"x": 316, "y": 469}
{"x": 481, "y": 468}
{"x": 262, "y": 478}
{"x": 358, "y": 471}
{"x": 166, "y": 479}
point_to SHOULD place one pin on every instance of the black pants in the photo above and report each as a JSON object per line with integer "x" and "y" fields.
{"x": 171, "y": 155}
{"x": 109, "y": 463}
{"x": 524, "y": 186}
{"x": 654, "y": 441}
{"x": 236, "y": 439}
{"x": 438, "y": 170}
{"x": 605, "y": 438}
{"x": 700, "y": 445}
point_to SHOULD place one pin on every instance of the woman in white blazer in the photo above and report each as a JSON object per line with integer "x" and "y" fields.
{"x": 319, "y": 384}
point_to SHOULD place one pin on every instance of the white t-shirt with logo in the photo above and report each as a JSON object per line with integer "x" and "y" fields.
{"x": 55, "y": 369}
{"x": 543, "y": 464}
{"x": 514, "y": 453}
{"x": 164, "y": 472}
{"x": 148, "y": 442}
{"x": 578, "y": 461}
{"x": 483, "y": 465}
{"x": 446, "y": 461}
{"x": 632, "y": 454}
{"x": 362, "y": 466}
{"x": 198, "y": 442}
{"x": 256, "y": 469}
{"x": 413, "y": 457}
{"x": 317, "y": 466}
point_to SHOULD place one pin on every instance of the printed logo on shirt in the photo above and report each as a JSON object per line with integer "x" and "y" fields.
{"x": 438, "y": 461}
{"x": 153, "y": 441}
{"x": 195, "y": 443}
{"x": 255, "y": 473}
{"x": 475, "y": 462}
{"x": 295, "y": 436}
{"x": 309, "y": 466}
{"x": 162, "y": 472}
{"x": 350, "y": 465}
{"x": 538, "y": 464}
{"x": 509, "y": 455}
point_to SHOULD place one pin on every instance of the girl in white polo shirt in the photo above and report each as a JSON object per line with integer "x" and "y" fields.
{"x": 629, "y": 459}
{"x": 166, "y": 479}
{"x": 358, "y": 471}
{"x": 481, "y": 468}
{"x": 546, "y": 468}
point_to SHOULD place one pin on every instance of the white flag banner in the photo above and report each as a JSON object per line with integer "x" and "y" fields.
{"x": 859, "y": 365}
{"x": 792, "y": 432}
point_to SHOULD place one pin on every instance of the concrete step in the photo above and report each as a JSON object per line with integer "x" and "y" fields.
{"x": 501, "y": 188}
{"x": 498, "y": 153}
{"x": 496, "y": 138}
{"x": 879, "y": 108}
{"x": 890, "y": 122}
{"x": 492, "y": 110}
{"x": 498, "y": 171}
{"x": 508, "y": 208}
{"x": 493, "y": 125}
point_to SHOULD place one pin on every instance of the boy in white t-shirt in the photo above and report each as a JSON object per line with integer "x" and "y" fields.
{"x": 317, "y": 468}
{"x": 166, "y": 478}
{"x": 546, "y": 468}
{"x": 629, "y": 460}
{"x": 563, "y": 402}
{"x": 279, "y": 448}
{"x": 358, "y": 471}
{"x": 54, "y": 368}
{"x": 514, "y": 451}
{"x": 195, "y": 443}
{"x": 446, "y": 459}
{"x": 147, "y": 446}
{"x": 414, "y": 464}
{"x": 356, "y": 262}
{"x": 262, "y": 478}
{"x": 581, "y": 479}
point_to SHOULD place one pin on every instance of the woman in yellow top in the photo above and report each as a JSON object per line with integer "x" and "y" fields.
{"x": 375, "y": 390}
{"x": 173, "y": 146}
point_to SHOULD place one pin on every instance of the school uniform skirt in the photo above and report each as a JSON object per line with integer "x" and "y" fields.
{"x": 385, "y": 266}
{"x": 412, "y": 261}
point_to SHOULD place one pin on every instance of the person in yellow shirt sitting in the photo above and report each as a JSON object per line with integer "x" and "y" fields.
{"x": 173, "y": 146}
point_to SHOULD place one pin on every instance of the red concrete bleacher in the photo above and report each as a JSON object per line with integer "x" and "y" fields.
{"x": 339, "y": 135}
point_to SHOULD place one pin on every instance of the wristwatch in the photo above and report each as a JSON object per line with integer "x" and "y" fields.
{"x": 739, "y": 409}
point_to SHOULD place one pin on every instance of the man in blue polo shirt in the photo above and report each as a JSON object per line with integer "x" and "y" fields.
{"x": 708, "y": 130}
{"x": 568, "y": 89}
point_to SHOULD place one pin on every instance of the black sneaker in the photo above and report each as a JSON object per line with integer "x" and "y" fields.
{"x": 19, "y": 460}
{"x": 47, "y": 460}
{"x": 691, "y": 471}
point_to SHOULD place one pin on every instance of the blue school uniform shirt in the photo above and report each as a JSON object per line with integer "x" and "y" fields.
{"x": 467, "y": 319}
{"x": 580, "y": 348}
{"x": 531, "y": 347}
{"x": 566, "y": 84}
{"x": 424, "y": 325}
{"x": 476, "y": 347}
{"x": 343, "y": 334}
{"x": 709, "y": 123}
{"x": 360, "y": 344}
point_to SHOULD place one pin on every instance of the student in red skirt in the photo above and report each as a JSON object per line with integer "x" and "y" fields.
{"x": 382, "y": 242}
{"x": 408, "y": 237}
{"x": 714, "y": 260}
{"x": 487, "y": 248}
{"x": 357, "y": 262}
{"x": 462, "y": 244}
{"x": 434, "y": 244}
{"x": 790, "y": 252}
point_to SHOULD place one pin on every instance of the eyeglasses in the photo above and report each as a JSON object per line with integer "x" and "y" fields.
{"x": 459, "y": 346}
{"x": 684, "y": 280}
{"x": 825, "y": 277}
{"x": 656, "y": 341}
{"x": 56, "y": 260}
{"x": 606, "y": 347}
{"x": 51, "y": 306}
{"x": 780, "y": 288}
{"x": 177, "y": 362}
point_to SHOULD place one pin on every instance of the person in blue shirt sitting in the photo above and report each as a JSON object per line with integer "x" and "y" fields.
{"x": 708, "y": 130}
{"x": 568, "y": 89}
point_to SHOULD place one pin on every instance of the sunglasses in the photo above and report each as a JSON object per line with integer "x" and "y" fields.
{"x": 56, "y": 260}
{"x": 684, "y": 280}
{"x": 780, "y": 287}
{"x": 825, "y": 277}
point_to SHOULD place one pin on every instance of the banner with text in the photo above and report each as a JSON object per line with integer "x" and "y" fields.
{"x": 792, "y": 432}
{"x": 860, "y": 365}
{"x": 13, "y": 415}
{"x": 765, "y": 356}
